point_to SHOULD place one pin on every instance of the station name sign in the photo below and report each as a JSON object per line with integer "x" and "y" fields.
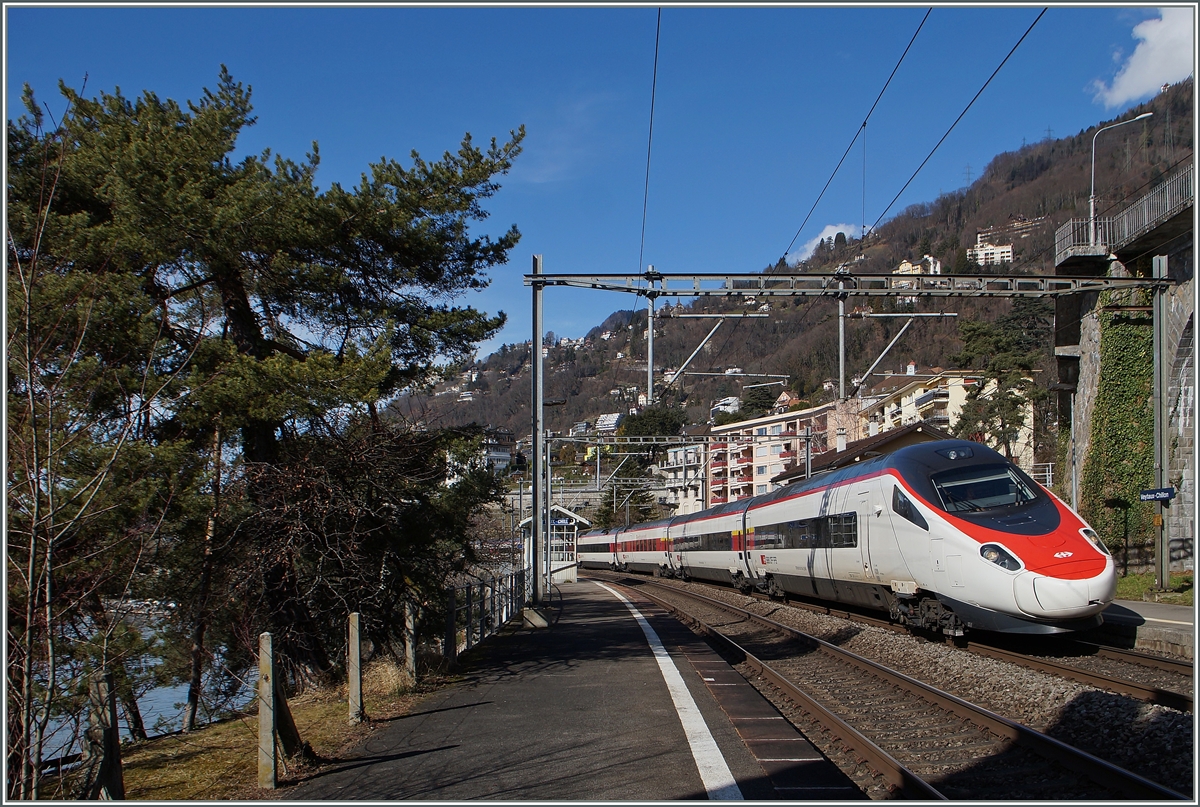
{"x": 1157, "y": 495}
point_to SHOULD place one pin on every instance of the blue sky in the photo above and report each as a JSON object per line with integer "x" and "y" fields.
{"x": 754, "y": 107}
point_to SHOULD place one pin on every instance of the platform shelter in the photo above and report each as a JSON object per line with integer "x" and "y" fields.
{"x": 565, "y": 526}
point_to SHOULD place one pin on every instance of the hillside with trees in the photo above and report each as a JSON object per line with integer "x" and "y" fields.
{"x": 1041, "y": 185}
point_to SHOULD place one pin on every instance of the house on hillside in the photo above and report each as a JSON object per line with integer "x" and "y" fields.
{"x": 928, "y": 265}
{"x": 684, "y": 476}
{"x": 786, "y": 400}
{"x": 499, "y": 446}
{"x": 607, "y": 424}
{"x": 731, "y": 405}
{"x": 987, "y": 254}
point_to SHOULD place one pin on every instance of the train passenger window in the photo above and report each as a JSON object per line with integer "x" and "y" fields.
{"x": 843, "y": 531}
{"x": 904, "y": 508}
{"x": 768, "y": 536}
{"x": 787, "y": 535}
{"x": 717, "y": 542}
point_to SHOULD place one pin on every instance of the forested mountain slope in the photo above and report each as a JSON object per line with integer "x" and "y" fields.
{"x": 1046, "y": 183}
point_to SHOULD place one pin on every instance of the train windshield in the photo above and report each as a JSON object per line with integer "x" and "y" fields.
{"x": 982, "y": 487}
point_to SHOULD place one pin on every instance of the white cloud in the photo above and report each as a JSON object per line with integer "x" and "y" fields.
{"x": 830, "y": 231}
{"x": 1163, "y": 56}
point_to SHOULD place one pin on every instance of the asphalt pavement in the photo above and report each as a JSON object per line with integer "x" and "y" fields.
{"x": 577, "y": 711}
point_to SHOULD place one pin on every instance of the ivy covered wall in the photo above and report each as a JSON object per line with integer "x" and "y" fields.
{"x": 1120, "y": 459}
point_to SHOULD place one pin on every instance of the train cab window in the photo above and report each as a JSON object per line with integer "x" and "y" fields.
{"x": 903, "y": 507}
{"x": 982, "y": 487}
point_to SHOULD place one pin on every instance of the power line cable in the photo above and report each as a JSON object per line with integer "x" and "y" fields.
{"x": 956, "y": 120}
{"x": 855, "y": 138}
{"x": 649, "y": 140}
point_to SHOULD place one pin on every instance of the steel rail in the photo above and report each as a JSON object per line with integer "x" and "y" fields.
{"x": 1144, "y": 659}
{"x": 1142, "y": 692}
{"x": 892, "y": 770}
{"x": 1096, "y": 769}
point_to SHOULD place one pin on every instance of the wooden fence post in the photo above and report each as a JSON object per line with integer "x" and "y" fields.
{"x": 469, "y": 621}
{"x": 484, "y": 616}
{"x": 267, "y": 760}
{"x": 104, "y": 740}
{"x": 450, "y": 647}
{"x": 354, "y": 665}
{"x": 410, "y": 640}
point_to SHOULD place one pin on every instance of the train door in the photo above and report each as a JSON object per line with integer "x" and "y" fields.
{"x": 744, "y": 564}
{"x": 864, "y": 506}
{"x": 895, "y": 541}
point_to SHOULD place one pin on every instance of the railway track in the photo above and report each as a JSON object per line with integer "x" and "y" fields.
{"x": 1072, "y": 667}
{"x": 925, "y": 742}
{"x": 1149, "y": 678}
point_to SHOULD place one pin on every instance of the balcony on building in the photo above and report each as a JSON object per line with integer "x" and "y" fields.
{"x": 931, "y": 398}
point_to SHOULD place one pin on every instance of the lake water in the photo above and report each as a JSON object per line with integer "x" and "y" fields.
{"x": 162, "y": 711}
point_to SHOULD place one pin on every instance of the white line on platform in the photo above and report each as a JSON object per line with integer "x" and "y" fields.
{"x": 718, "y": 781}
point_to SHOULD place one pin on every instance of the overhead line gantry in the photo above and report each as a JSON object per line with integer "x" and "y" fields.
{"x": 839, "y": 285}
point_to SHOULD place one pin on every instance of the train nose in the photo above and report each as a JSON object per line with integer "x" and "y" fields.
{"x": 1041, "y": 596}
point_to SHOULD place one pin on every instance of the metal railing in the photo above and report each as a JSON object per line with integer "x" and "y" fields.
{"x": 932, "y": 395}
{"x": 475, "y": 611}
{"x": 1043, "y": 473}
{"x": 1168, "y": 198}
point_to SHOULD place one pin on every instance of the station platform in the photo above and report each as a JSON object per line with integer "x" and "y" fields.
{"x": 1151, "y": 626}
{"x": 589, "y": 709}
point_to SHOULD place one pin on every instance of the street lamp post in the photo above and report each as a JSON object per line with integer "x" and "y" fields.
{"x": 1092, "y": 197}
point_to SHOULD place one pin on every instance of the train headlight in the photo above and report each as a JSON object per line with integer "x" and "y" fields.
{"x": 1090, "y": 534}
{"x": 999, "y": 556}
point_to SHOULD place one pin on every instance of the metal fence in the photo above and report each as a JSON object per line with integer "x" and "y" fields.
{"x": 1043, "y": 473}
{"x": 475, "y": 611}
{"x": 1169, "y": 197}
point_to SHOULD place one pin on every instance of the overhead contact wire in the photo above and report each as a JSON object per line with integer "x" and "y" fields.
{"x": 959, "y": 118}
{"x": 854, "y": 139}
{"x": 649, "y": 140}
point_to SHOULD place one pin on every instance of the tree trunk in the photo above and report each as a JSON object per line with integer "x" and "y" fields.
{"x": 133, "y": 716}
{"x": 206, "y": 569}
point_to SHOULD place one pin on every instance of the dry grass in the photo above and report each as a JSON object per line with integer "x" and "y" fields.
{"x": 220, "y": 762}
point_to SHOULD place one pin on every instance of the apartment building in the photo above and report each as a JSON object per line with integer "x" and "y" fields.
{"x": 986, "y": 253}
{"x": 757, "y": 450}
{"x": 685, "y": 478}
{"x": 990, "y": 254}
{"x": 938, "y": 400}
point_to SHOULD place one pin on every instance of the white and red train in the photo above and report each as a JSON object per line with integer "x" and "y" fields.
{"x": 945, "y": 535}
